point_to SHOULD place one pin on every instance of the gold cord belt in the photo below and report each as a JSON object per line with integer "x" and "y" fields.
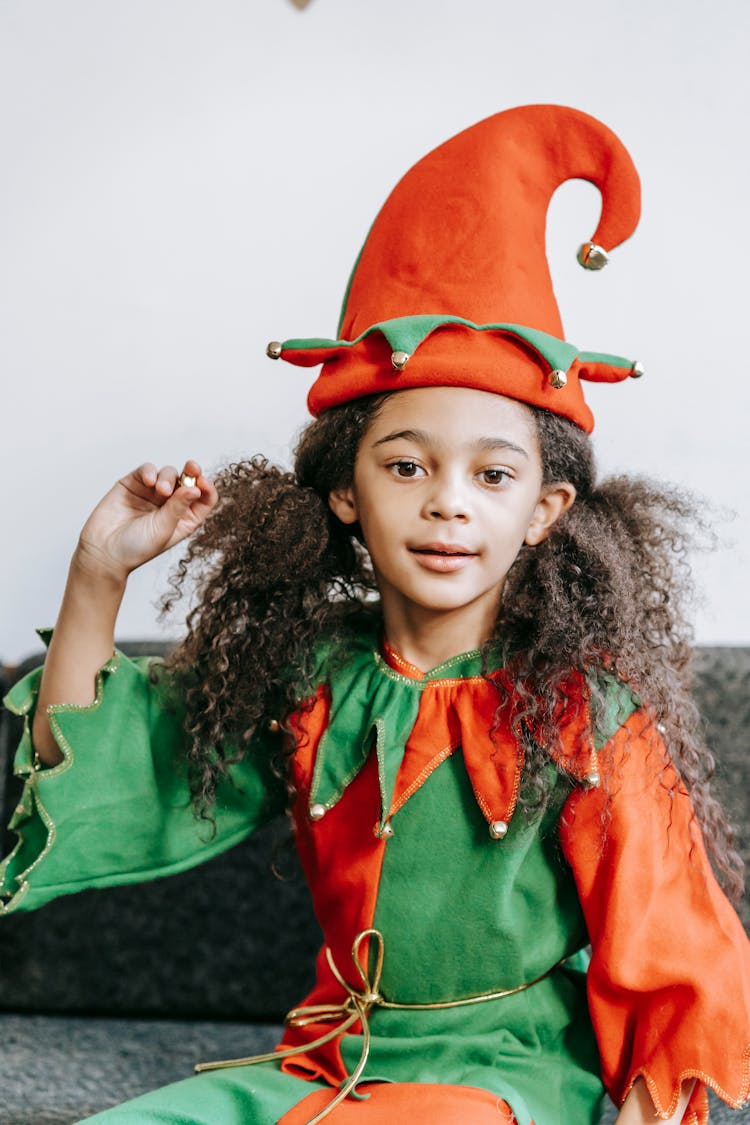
{"x": 356, "y": 1008}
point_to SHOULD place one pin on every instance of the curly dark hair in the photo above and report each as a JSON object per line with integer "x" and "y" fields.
{"x": 274, "y": 570}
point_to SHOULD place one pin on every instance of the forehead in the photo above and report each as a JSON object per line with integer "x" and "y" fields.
{"x": 456, "y": 416}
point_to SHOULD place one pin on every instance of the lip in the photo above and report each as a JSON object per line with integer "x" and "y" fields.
{"x": 443, "y": 548}
{"x": 442, "y": 558}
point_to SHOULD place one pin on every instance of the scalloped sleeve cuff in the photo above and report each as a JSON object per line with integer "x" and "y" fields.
{"x": 117, "y": 808}
{"x": 669, "y": 980}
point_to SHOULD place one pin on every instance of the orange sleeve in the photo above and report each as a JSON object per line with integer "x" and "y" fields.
{"x": 669, "y": 980}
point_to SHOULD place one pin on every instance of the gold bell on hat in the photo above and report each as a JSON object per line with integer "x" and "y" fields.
{"x": 592, "y": 257}
{"x": 558, "y": 380}
{"x": 274, "y": 350}
{"x": 399, "y": 360}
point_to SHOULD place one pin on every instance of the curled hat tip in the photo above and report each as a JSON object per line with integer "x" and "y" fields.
{"x": 592, "y": 257}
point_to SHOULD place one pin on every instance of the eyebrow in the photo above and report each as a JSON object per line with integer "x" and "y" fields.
{"x": 421, "y": 437}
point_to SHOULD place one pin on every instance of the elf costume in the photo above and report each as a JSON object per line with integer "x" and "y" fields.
{"x": 452, "y": 986}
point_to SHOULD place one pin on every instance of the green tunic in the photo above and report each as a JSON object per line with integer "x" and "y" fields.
{"x": 461, "y": 912}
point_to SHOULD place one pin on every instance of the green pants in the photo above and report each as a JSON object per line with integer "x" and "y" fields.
{"x": 238, "y": 1095}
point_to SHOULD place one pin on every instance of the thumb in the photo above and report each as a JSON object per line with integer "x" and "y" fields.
{"x": 174, "y": 511}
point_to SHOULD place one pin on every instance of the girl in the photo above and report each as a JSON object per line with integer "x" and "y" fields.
{"x": 458, "y": 662}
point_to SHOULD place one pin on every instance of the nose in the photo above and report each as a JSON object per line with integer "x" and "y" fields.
{"x": 447, "y": 499}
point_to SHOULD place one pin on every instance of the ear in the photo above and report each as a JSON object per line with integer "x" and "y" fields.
{"x": 343, "y": 505}
{"x": 553, "y": 503}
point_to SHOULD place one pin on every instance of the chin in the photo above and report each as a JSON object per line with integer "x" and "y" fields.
{"x": 444, "y": 601}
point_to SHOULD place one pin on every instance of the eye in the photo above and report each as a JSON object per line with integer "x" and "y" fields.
{"x": 495, "y": 476}
{"x": 407, "y": 470}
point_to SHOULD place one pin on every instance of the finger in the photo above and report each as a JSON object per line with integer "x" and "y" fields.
{"x": 144, "y": 474}
{"x": 206, "y": 501}
{"x": 190, "y": 476}
{"x": 180, "y": 515}
{"x": 187, "y": 508}
{"x": 192, "y": 469}
{"x": 166, "y": 480}
{"x": 140, "y": 482}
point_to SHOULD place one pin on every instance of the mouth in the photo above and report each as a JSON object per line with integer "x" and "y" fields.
{"x": 446, "y": 550}
{"x": 442, "y": 558}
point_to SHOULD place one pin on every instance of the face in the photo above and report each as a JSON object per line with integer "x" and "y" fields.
{"x": 447, "y": 487}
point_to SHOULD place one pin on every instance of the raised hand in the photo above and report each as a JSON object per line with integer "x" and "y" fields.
{"x": 145, "y": 513}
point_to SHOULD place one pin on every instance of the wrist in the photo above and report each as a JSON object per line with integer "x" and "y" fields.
{"x": 92, "y": 568}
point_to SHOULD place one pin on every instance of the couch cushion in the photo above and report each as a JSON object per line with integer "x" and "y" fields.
{"x": 55, "y": 1069}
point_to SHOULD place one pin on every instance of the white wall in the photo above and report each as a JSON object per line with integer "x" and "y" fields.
{"x": 184, "y": 180}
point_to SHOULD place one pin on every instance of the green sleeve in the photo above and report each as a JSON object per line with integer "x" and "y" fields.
{"x": 117, "y": 808}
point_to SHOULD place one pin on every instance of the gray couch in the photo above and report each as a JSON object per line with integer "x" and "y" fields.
{"x": 107, "y": 994}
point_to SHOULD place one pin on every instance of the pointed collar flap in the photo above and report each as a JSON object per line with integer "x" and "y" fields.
{"x": 392, "y": 705}
{"x": 364, "y": 704}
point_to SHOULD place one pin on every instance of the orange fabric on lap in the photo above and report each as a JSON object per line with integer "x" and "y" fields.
{"x": 415, "y": 1102}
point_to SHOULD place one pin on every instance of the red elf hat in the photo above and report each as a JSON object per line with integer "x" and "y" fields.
{"x": 452, "y": 286}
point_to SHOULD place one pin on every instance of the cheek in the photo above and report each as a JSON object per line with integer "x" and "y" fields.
{"x": 378, "y": 502}
{"x": 371, "y": 521}
{"x": 512, "y": 515}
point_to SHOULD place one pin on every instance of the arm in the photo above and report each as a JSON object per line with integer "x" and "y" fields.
{"x": 669, "y": 979}
{"x": 638, "y": 1109}
{"x": 118, "y": 808}
{"x": 143, "y": 515}
{"x": 115, "y": 805}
